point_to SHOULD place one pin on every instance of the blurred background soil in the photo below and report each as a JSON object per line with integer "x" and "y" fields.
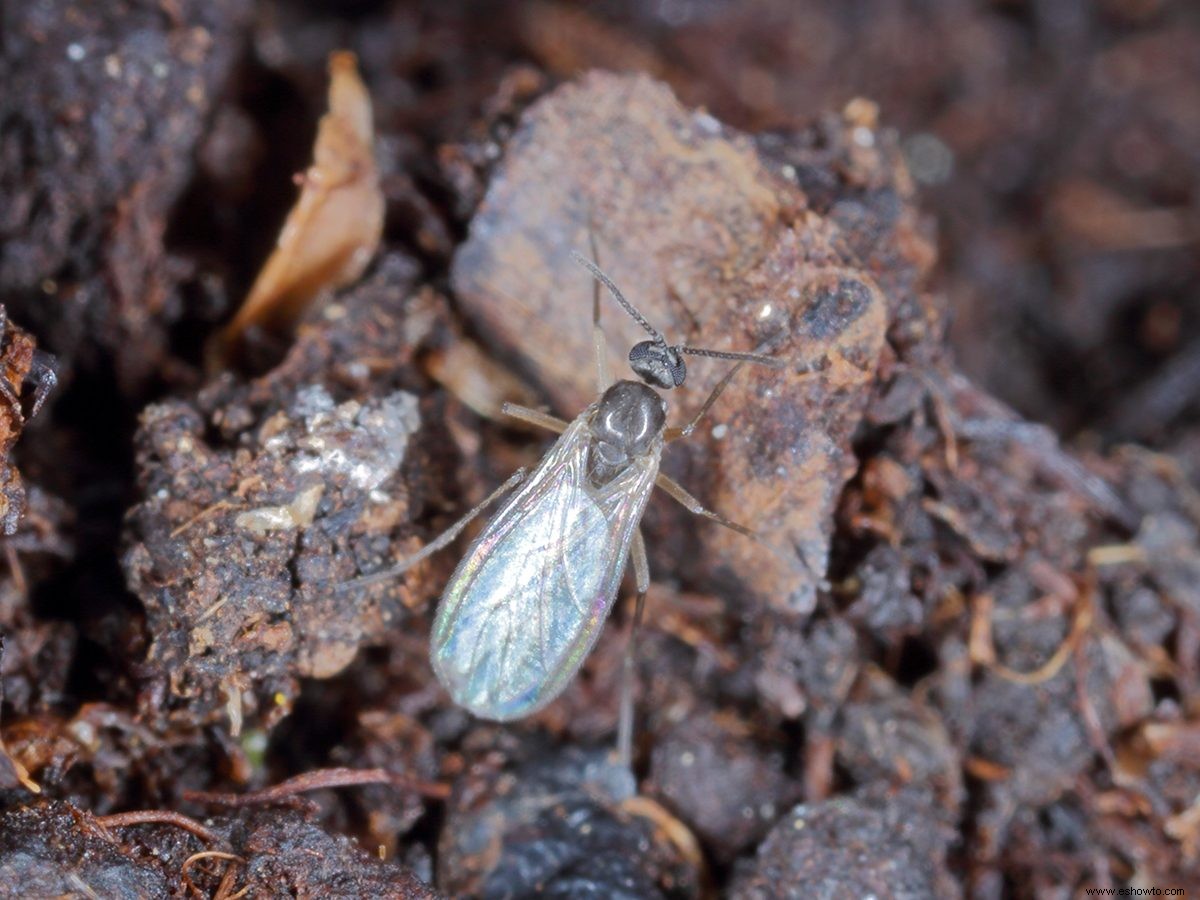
{"x": 983, "y": 677}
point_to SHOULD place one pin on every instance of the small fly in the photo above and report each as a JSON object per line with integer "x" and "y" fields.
{"x": 526, "y": 604}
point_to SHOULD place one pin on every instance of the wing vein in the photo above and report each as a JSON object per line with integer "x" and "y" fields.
{"x": 559, "y": 544}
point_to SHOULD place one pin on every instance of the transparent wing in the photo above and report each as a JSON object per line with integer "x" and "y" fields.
{"x": 527, "y": 602}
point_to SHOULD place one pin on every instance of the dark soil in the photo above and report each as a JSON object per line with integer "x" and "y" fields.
{"x": 965, "y": 658}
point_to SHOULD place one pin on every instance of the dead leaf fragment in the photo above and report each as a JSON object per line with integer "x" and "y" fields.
{"x": 332, "y": 232}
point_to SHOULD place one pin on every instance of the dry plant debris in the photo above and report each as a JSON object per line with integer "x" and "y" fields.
{"x": 331, "y": 234}
{"x": 20, "y": 365}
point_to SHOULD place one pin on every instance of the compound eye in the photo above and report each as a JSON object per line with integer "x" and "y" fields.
{"x": 678, "y": 368}
{"x": 658, "y": 364}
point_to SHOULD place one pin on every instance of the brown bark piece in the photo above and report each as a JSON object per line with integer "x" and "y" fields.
{"x": 717, "y": 251}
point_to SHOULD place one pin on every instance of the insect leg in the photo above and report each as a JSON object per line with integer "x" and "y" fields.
{"x": 678, "y": 492}
{"x": 442, "y": 540}
{"x": 534, "y": 417}
{"x": 672, "y": 434}
{"x": 599, "y": 344}
{"x": 641, "y": 572}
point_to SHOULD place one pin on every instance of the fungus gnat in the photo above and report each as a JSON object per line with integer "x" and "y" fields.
{"x": 526, "y": 603}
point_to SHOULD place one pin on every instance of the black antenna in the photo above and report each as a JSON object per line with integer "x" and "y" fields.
{"x": 618, "y": 296}
{"x": 595, "y": 282}
{"x": 771, "y": 361}
{"x": 656, "y": 361}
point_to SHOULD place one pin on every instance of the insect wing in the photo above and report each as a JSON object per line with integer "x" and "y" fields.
{"x": 527, "y": 602}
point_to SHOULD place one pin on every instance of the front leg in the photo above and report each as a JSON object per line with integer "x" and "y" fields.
{"x": 534, "y": 417}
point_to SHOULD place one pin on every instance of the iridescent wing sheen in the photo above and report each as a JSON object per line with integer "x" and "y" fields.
{"x": 528, "y": 600}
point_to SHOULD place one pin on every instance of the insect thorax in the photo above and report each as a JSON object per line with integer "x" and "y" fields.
{"x": 628, "y": 420}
